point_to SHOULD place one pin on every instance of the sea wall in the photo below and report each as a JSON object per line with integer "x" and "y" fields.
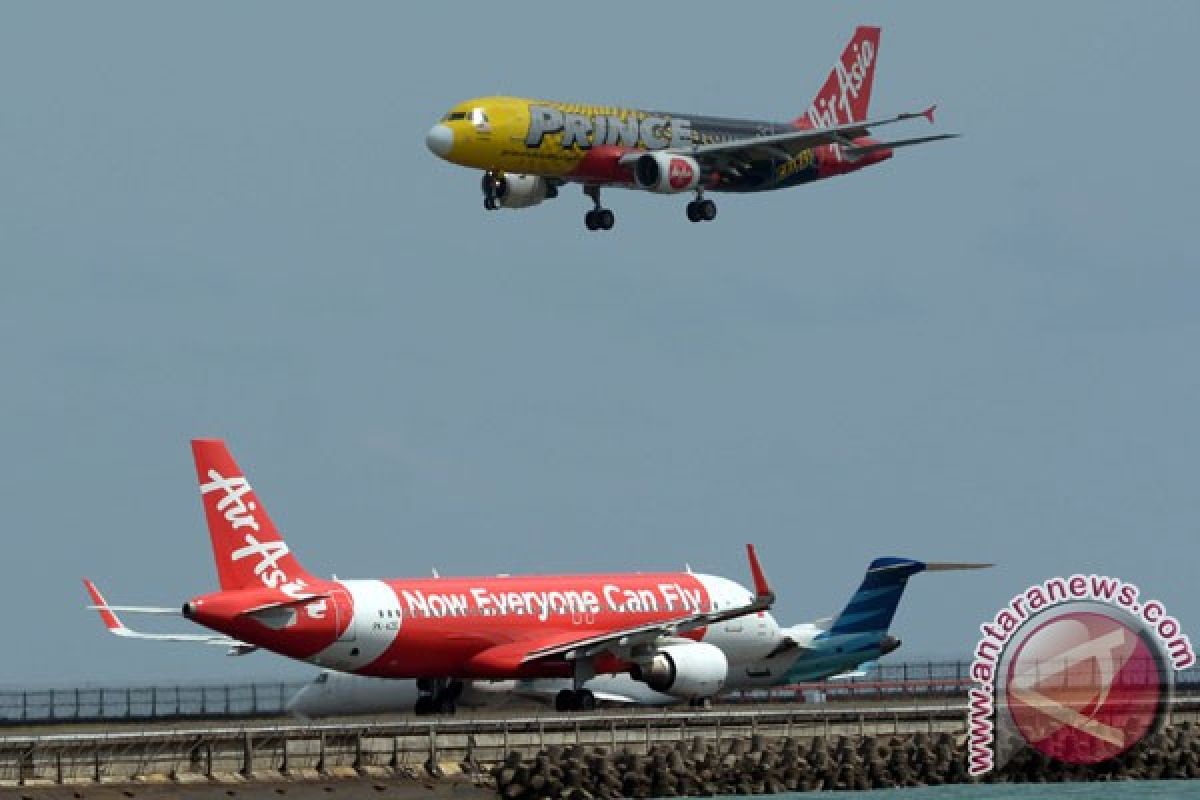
{"x": 762, "y": 765}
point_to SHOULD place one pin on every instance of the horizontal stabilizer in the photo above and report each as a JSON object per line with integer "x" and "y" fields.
{"x": 280, "y": 615}
{"x": 947, "y": 566}
{"x": 175, "y": 612}
{"x": 114, "y": 625}
{"x": 289, "y": 603}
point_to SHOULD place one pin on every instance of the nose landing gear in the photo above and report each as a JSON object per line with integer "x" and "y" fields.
{"x": 493, "y": 189}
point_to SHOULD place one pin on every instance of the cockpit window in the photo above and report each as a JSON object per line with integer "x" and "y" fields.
{"x": 322, "y": 678}
{"x": 453, "y": 115}
{"x": 479, "y": 119}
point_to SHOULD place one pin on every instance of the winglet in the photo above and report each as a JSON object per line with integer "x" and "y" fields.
{"x": 762, "y": 590}
{"x": 107, "y": 615}
{"x": 928, "y": 113}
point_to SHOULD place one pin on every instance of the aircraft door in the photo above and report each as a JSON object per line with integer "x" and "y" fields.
{"x": 343, "y": 604}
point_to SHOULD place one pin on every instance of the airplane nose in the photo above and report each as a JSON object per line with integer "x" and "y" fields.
{"x": 439, "y": 140}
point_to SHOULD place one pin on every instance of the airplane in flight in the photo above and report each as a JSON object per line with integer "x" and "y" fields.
{"x": 680, "y": 633}
{"x": 528, "y": 149}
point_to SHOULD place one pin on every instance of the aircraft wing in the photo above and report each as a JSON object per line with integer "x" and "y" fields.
{"x": 789, "y": 143}
{"x": 108, "y": 615}
{"x": 651, "y": 632}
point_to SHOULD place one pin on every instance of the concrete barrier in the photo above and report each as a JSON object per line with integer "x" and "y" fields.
{"x": 842, "y": 745}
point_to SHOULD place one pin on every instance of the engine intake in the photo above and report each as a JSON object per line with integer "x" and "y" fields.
{"x": 666, "y": 173}
{"x": 685, "y": 670}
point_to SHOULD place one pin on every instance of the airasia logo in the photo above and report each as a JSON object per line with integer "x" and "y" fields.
{"x": 838, "y": 106}
{"x": 239, "y": 513}
{"x": 680, "y": 173}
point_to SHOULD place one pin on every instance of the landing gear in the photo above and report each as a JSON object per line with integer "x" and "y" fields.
{"x": 599, "y": 218}
{"x": 701, "y": 210}
{"x": 575, "y": 700}
{"x": 493, "y": 189}
{"x": 704, "y": 703}
{"x": 437, "y": 696}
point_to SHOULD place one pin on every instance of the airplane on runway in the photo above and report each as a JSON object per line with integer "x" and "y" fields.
{"x": 332, "y": 694}
{"x": 844, "y": 646}
{"x": 501, "y": 628}
{"x": 528, "y": 149}
{"x": 680, "y": 633}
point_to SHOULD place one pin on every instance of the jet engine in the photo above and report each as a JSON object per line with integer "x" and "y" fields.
{"x": 519, "y": 191}
{"x": 666, "y": 173}
{"x": 685, "y": 670}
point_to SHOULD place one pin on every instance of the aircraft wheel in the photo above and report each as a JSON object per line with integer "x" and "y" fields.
{"x": 564, "y": 700}
{"x": 424, "y": 706}
{"x": 585, "y": 700}
{"x": 490, "y": 203}
{"x": 589, "y": 220}
{"x": 707, "y": 210}
{"x": 693, "y": 211}
{"x": 446, "y": 705}
{"x": 605, "y": 219}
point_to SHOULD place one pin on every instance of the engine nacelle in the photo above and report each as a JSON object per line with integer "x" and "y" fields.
{"x": 521, "y": 191}
{"x": 666, "y": 173}
{"x": 685, "y": 670}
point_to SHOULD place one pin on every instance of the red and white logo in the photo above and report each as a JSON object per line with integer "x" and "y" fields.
{"x": 680, "y": 173}
{"x": 1084, "y": 686}
{"x": 1079, "y": 668}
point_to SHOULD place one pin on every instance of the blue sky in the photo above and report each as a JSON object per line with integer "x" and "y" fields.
{"x": 221, "y": 220}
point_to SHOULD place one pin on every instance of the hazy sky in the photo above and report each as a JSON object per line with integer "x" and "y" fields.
{"x": 220, "y": 219}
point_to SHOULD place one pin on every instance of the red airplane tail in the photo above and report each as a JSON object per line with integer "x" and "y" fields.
{"x": 248, "y": 549}
{"x": 846, "y": 95}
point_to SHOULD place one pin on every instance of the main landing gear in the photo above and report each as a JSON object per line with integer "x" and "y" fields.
{"x": 437, "y": 696}
{"x": 575, "y": 700}
{"x": 599, "y": 218}
{"x": 701, "y": 209}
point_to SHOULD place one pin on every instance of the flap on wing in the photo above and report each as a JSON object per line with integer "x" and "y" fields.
{"x": 801, "y": 138}
{"x": 504, "y": 660}
{"x": 624, "y": 638}
{"x": 865, "y": 150}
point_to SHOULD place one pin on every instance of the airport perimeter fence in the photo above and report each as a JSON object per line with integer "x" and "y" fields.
{"x": 915, "y": 682}
{"x": 145, "y": 703}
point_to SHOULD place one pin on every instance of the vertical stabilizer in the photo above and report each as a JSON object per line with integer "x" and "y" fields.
{"x": 872, "y": 607}
{"x": 248, "y": 549}
{"x": 846, "y": 95}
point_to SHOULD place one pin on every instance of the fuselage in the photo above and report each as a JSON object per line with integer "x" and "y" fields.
{"x": 480, "y": 628}
{"x": 585, "y": 142}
